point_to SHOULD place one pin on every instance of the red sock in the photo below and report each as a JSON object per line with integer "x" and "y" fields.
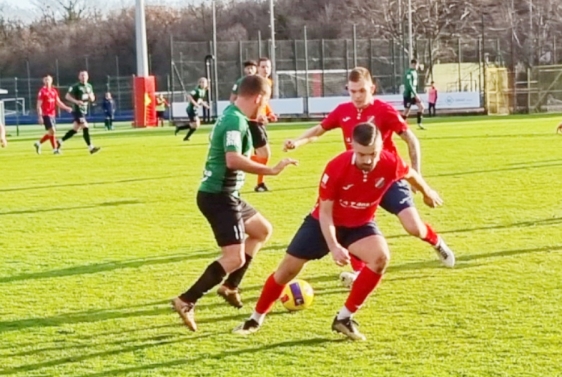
{"x": 356, "y": 263}
{"x": 52, "y": 140}
{"x": 362, "y": 287}
{"x": 44, "y": 138}
{"x": 270, "y": 293}
{"x": 431, "y": 237}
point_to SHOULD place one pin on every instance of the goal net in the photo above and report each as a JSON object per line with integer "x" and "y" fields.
{"x": 320, "y": 83}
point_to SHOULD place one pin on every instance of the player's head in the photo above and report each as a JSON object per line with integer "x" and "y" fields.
{"x": 203, "y": 83}
{"x": 414, "y": 64}
{"x": 48, "y": 81}
{"x": 108, "y": 95}
{"x": 83, "y": 77}
{"x": 367, "y": 145}
{"x": 250, "y": 67}
{"x": 360, "y": 87}
{"x": 253, "y": 93}
{"x": 264, "y": 67}
{"x": 433, "y": 83}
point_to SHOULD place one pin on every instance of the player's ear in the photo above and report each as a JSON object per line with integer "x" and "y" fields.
{"x": 373, "y": 89}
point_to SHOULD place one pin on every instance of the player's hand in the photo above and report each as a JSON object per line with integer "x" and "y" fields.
{"x": 432, "y": 199}
{"x": 80, "y": 103}
{"x": 3, "y": 142}
{"x": 40, "y": 119}
{"x": 559, "y": 129}
{"x": 69, "y": 109}
{"x": 281, "y": 165}
{"x": 262, "y": 118}
{"x": 340, "y": 255}
{"x": 289, "y": 145}
{"x": 273, "y": 118}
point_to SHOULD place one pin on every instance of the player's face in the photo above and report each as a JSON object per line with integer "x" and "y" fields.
{"x": 261, "y": 102}
{"x": 366, "y": 157}
{"x": 48, "y": 81}
{"x": 83, "y": 77}
{"x": 203, "y": 83}
{"x": 250, "y": 70}
{"x": 361, "y": 92}
{"x": 265, "y": 69}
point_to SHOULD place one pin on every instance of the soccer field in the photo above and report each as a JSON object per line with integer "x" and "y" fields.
{"x": 95, "y": 246}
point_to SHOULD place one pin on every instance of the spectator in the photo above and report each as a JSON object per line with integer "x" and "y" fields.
{"x": 432, "y": 98}
{"x": 109, "y": 110}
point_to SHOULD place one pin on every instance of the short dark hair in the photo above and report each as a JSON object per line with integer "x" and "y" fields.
{"x": 263, "y": 59}
{"x": 366, "y": 134}
{"x": 413, "y": 61}
{"x": 250, "y": 63}
{"x": 253, "y": 85}
{"x": 359, "y": 73}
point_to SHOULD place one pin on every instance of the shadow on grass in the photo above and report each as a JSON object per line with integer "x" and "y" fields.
{"x": 512, "y": 168}
{"x": 64, "y": 209}
{"x": 218, "y": 356}
{"x": 81, "y": 184}
{"x": 110, "y": 266}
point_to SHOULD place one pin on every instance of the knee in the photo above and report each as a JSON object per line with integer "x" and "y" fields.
{"x": 265, "y": 232}
{"x": 379, "y": 261}
{"x": 234, "y": 262}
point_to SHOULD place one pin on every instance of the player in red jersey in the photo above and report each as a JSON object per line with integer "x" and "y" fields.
{"x": 47, "y": 101}
{"x": 342, "y": 223}
{"x": 398, "y": 200}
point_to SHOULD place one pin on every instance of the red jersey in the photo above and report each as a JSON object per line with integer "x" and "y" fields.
{"x": 48, "y": 98}
{"x": 346, "y": 116}
{"x": 356, "y": 194}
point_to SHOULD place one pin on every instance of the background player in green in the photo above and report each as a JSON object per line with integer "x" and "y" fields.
{"x": 80, "y": 95}
{"x": 195, "y": 98}
{"x": 411, "y": 97}
{"x": 218, "y": 199}
{"x": 250, "y": 68}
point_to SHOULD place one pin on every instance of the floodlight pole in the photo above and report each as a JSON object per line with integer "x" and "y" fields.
{"x": 215, "y": 79}
{"x": 140, "y": 31}
{"x": 410, "y": 32}
{"x": 272, "y": 57}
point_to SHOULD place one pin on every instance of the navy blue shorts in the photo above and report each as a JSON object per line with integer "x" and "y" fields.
{"x": 409, "y": 102}
{"x": 397, "y": 198}
{"x": 48, "y": 122}
{"x": 192, "y": 114}
{"x": 309, "y": 242}
{"x": 79, "y": 117}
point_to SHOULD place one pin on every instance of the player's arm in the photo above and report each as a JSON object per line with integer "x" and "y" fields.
{"x": 430, "y": 197}
{"x": 339, "y": 253}
{"x": 414, "y": 150}
{"x": 309, "y": 136}
{"x": 191, "y": 99}
{"x": 70, "y": 97}
{"x": 3, "y": 141}
{"x": 39, "y": 105}
{"x": 62, "y": 105}
{"x": 409, "y": 85}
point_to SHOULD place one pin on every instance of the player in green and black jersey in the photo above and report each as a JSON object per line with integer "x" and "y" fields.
{"x": 195, "y": 99}
{"x": 411, "y": 97}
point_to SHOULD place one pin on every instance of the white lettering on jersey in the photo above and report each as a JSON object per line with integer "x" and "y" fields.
{"x": 325, "y": 178}
{"x": 356, "y": 205}
{"x": 346, "y": 119}
{"x": 233, "y": 139}
{"x": 379, "y": 183}
{"x": 347, "y": 187}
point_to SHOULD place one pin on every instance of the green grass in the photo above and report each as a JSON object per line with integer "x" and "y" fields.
{"x": 93, "y": 248}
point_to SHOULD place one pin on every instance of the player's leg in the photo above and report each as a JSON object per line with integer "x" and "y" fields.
{"x": 559, "y": 129}
{"x": 193, "y": 126}
{"x": 223, "y": 214}
{"x": 398, "y": 201}
{"x": 307, "y": 244}
{"x": 53, "y": 135}
{"x": 407, "y": 105}
{"x": 421, "y": 108}
{"x": 258, "y": 231}
{"x": 47, "y": 136}
{"x": 87, "y": 139}
{"x": 262, "y": 150}
{"x": 368, "y": 244}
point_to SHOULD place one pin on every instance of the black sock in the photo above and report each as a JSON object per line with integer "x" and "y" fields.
{"x": 86, "y": 134}
{"x": 181, "y": 128}
{"x": 213, "y": 275}
{"x": 190, "y": 132}
{"x": 68, "y": 135}
{"x": 420, "y": 116}
{"x": 233, "y": 280}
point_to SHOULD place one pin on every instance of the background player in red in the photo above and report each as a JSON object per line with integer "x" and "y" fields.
{"x": 351, "y": 188}
{"x": 398, "y": 200}
{"x": 47, "y": 101}
{"x": 3, "y": 141}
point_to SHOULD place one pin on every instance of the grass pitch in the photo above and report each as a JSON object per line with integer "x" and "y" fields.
{"x": 93, "y": 248}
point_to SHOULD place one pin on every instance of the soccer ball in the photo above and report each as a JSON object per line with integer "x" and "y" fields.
{"x": 297, "y": 295}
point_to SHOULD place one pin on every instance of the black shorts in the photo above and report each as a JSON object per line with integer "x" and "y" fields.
{"x": 309, "y": 242}
{"x": 49, "y": 122}
{"x": 397, "y": 198}
{"x": 226, "y": 214}
{"x": 409, "y": 102}
{"x": 79, "y": 117}
{"x": 259, "y": 134}
{"x": 192, "y": 114}
{"x": 160, "y": 114}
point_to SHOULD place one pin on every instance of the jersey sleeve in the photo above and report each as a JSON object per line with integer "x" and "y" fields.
{"x": 194, "y": 95}
{"x": 329, "y": 182}
{"x": 401, "y": 168}
{"x": 332, "y": 120}
{"x": 394, "y": 120}
{"x": 40, "y": 95}
{"x": 233, "y": 129}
